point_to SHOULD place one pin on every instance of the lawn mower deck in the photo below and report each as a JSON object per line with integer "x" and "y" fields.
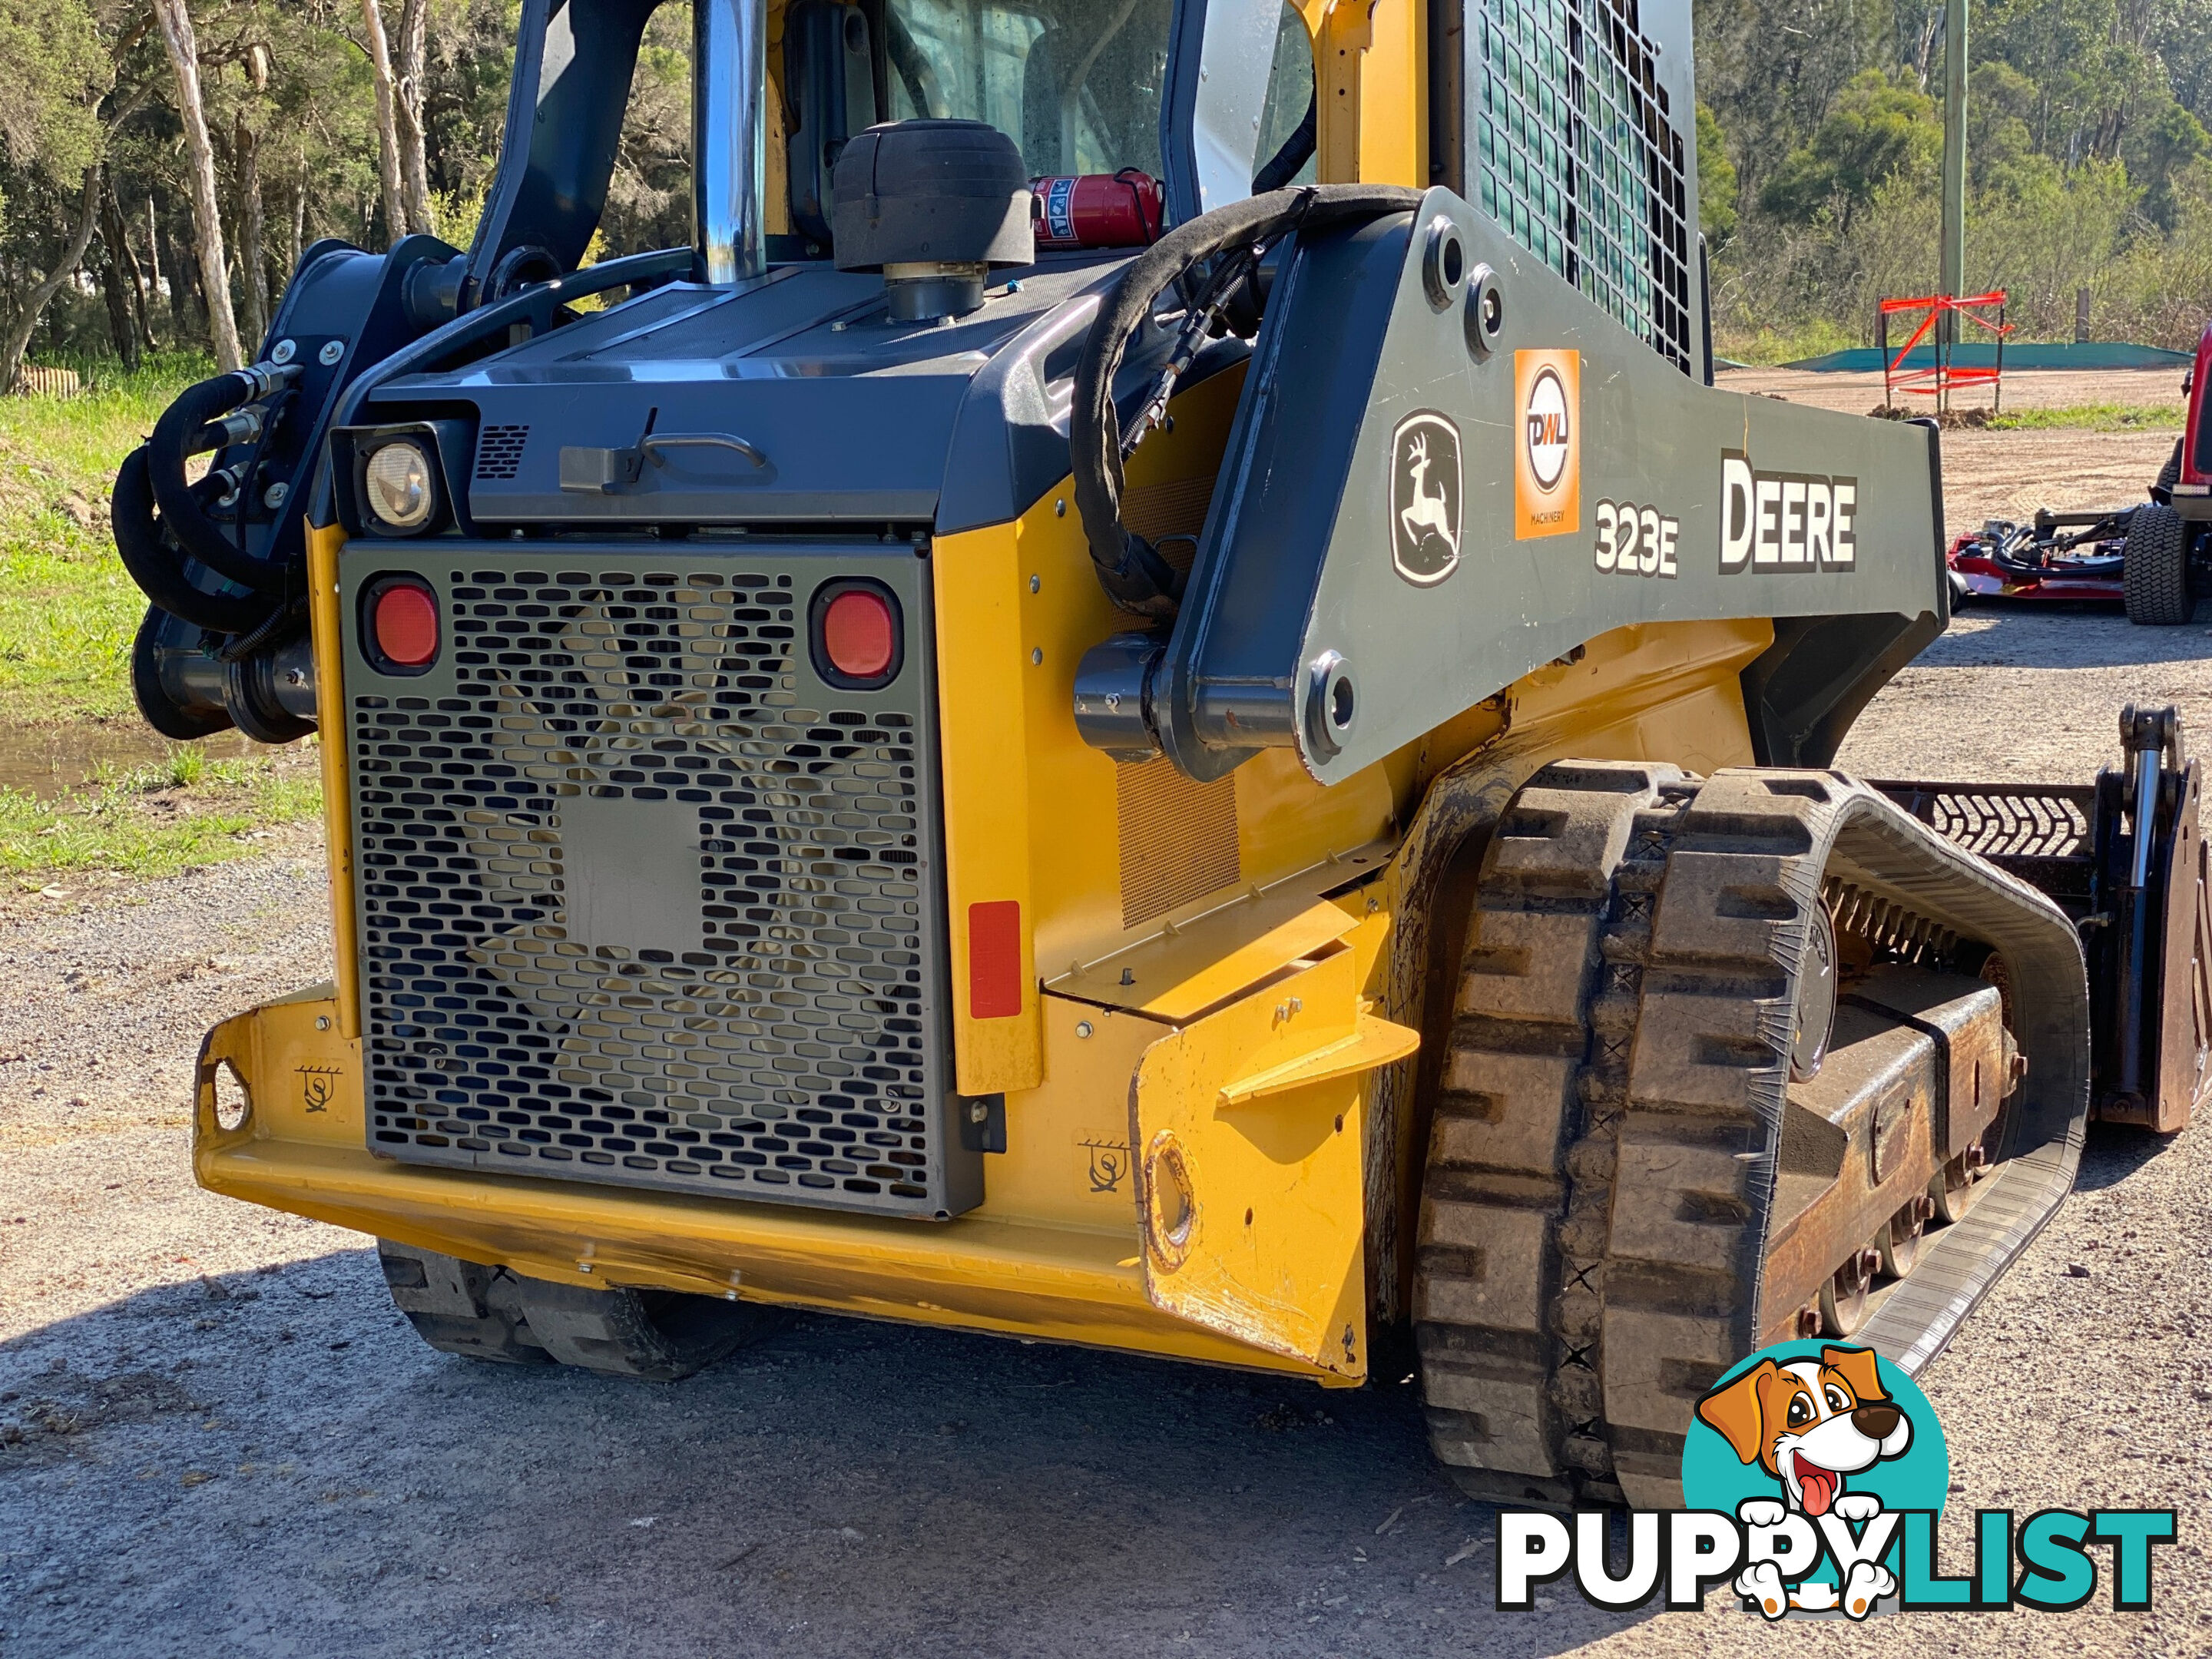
{"x": 2073, "y": 556}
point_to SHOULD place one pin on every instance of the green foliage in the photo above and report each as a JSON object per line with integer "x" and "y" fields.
{"x": 2090, "y": 165}
{"x": 2036, "y": 241}
{"x": 2049, "y": 235}
{"x": 648, "y": 199}
{"x": 1762, "y": 346}
{"x": 1716, "y": 180}
{"x": 2159, "y": 290}
{"x": 457, "y": 212}
{"x": 1819, "y": 133}
{"x": 1770, "y": 69}
{"x": 2000, "y": 147}
{"x": 1877, "y": 130}
{"x": 2169, "y": 143}
{"x": 67, "y": 615}
{"x": 55, "y": 68}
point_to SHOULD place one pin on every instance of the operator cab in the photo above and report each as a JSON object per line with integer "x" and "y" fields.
{"x": 1078, "y": 89}
{"x": 1082, "y": 91}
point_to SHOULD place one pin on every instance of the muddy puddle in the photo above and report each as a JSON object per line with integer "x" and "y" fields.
{"x": 46, "y": 761}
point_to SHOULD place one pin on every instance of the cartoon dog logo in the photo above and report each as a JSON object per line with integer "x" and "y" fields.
{"x": 1811, "y": 1424}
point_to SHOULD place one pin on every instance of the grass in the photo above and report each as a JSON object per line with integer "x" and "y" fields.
{"x": 67, "y": 615}
{"x": 67, "y": 610}
{"x": 1766, "y": 348}
{"x": 154, "y": 820}
{"x": 2094, "y": 417}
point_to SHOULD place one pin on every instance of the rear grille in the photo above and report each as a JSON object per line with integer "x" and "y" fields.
{"x": 642, "y": 901}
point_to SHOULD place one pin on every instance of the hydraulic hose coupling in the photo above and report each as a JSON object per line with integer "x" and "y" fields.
{"x": 243, "y": 423}
{"x": 225, "y": 481}
{"x": 161, "y": 527}
{"x": 263, "y": 378}
{"x": 242, "y": 427}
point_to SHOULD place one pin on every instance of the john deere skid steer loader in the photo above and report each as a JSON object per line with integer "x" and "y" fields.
{"x": 1055, "y": 730}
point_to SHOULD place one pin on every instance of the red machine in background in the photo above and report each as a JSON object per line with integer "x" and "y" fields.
{"x": 2054, "y": 555}
{"x": 2156, "y": 558}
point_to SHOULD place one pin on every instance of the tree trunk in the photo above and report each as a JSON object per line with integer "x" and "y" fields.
{"x": 246, "y": 164}
{"x": 177, "y": 269}
{"x": 25, "y": 322}
{"x": 387, "y": 121}
{"x": 1924, "y": 48}
{"x": 118, "y": 278}
{"x": 295, "y": 218}
{"x": 118, "y": 243}
{"x": 154, "y": 295}
{"x": 176, "y": 24}
{"x": 108, "y": 273}
{"x": 414, "y": 141}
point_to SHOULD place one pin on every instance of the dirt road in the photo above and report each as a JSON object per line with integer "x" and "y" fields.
{"x": 1855, "y": 394}
{"x": 219, "y": 1439}
{"x": 2008, "y": 475}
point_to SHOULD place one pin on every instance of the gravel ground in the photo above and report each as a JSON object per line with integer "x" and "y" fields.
{"x": 2008, "y": 475}
{"x": 2025, "y": 697}
{"x": 220, "y": 1438}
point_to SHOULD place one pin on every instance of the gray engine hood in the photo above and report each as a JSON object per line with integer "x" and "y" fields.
{"x": 857, "y": 418}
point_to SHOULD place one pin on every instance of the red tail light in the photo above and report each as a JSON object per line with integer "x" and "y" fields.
{"x": 857, "y": 643}
{"x": 402, "y": 623}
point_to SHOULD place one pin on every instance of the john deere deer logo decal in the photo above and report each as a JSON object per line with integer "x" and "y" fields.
{"x": 1424, "y": 498}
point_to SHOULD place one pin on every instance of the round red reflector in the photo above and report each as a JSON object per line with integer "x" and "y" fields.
{"x": 406, "y": 623}
{"x": 858, "y": 633}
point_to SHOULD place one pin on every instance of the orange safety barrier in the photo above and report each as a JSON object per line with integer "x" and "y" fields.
{"x": 1937, "y": 380}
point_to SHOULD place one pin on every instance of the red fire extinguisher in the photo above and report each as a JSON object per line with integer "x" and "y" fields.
{"x": 1096, "y": 209}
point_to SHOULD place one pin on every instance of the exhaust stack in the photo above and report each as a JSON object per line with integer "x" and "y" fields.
{"x": 729, "y": 54}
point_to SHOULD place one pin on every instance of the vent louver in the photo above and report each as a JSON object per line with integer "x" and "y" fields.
{"x": 499, "y": 451}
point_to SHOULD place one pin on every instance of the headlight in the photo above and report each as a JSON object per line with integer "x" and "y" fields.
{"x": 398, "y": 482}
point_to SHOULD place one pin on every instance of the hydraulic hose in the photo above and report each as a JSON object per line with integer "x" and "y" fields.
{"x": 176, "y": 436}
{"x": 159, "y": 572}
{"x": 1297, "y": 149}
{"x": 1130, "y": 568}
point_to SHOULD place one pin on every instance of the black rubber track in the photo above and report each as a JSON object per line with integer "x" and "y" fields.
{"x": 1521, "y": 1149}
{"x": 495, "y": 1314}
{"x": 460, "y": 1307}
{"x": 1600, "y": 1170}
